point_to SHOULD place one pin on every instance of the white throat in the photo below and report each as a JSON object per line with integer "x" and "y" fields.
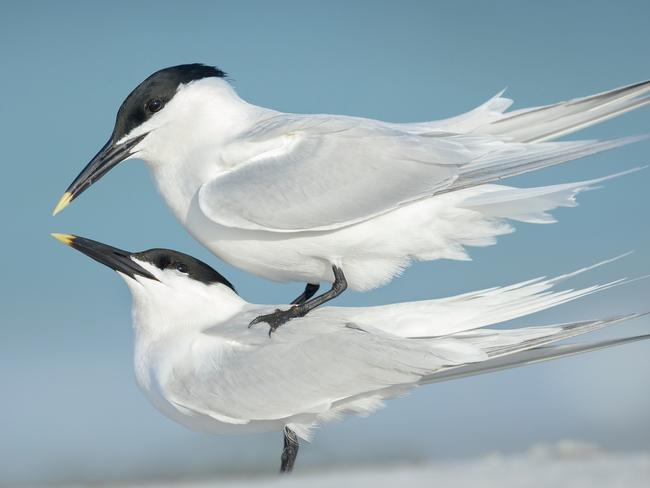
{"x": 179, "y": 305}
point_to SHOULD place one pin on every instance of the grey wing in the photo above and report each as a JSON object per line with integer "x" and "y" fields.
{"x": 297, "y": 173}
{"x": 304, "y": 369}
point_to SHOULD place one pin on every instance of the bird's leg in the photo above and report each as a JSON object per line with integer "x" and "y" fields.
{"x": 279, "y": 317}
{"x": 339, "y": 286}
{"x": 309, "y": 292}
{"x": 290, "y": 451}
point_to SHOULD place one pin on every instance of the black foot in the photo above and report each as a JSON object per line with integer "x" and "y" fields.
{"x": 278, "y": 318}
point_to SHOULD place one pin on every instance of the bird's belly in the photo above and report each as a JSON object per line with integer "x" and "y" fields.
{"x": 199, "y": 422}
{"x": 275, "y": 256}
{"x": 370, "y": 253}
{"x": 278, "y": 261}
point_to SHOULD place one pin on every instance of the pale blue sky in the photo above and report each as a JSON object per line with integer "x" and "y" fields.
{"x": 70, "y": 409}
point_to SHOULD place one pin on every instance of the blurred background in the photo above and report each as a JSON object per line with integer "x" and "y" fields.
{"x": 70, "y": 410}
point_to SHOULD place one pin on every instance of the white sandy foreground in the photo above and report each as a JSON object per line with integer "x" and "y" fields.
{"x": 565, "y": 464}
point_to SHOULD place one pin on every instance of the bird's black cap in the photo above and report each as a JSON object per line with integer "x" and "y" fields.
{"x": 160, "y": 86}
{"x": 195, "y": 269}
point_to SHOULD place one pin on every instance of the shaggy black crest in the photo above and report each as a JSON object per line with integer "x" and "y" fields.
{"x": 195, "y": 269}
{"x": 152, "y": 94}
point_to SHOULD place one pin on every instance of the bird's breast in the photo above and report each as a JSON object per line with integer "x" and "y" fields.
{"x": 148, "y": 368}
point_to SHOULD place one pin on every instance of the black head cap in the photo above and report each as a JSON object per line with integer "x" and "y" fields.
{"x": 195, "y": 269}
{"x": 152, "y": 94}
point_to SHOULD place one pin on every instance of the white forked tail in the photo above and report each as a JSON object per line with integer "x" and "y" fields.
{"x": 445, "y": 226}
{"x": 531, "y": 205}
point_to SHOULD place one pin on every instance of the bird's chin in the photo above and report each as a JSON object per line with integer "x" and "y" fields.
{"x": 151, "y": 149}
{"x": 133, "y": 155}
{"x": 133, "y": 282}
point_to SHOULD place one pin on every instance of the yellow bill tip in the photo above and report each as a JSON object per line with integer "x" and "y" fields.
{"x": 64, "y": 202}
{"x": 66, "y": 239}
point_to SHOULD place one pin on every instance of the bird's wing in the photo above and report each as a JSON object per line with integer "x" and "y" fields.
{"x": 509, "y": 354}
{"x": 470, "y": 311}
{"x": 293, "y": 173}
{"x": 529, "y": 356}
{"x": 317, "y": 366}
{"x": 535, "y": 124}
{"x": 305, "y": 367}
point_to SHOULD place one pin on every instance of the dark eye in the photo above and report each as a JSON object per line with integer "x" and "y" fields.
{"x": 154, "y": 105}
{"x": 182, "y": 268}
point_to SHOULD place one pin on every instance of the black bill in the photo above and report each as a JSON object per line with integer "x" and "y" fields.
{"x": 112, "y": 257}
{"x": 106, "y": 159}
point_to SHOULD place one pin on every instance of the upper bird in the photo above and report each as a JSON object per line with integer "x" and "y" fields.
{"x": 341, "y": 199}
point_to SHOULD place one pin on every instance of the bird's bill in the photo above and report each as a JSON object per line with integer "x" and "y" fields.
{"x": 112, "y": 257}
{"x": 106, "y": 159}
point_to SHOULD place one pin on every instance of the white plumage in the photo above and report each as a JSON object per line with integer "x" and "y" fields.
{"x": 200, "y": 364}
{"x": 287, "y": 196}
{"x": 198, "y": 361}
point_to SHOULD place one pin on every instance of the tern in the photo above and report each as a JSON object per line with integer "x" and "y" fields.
{"x": 346, "y": 200}
{"x": 198, "y": 363}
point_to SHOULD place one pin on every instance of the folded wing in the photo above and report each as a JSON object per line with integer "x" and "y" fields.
{"x": 318, "y": 172}
{"x": 294, "y": 173}
{"x": 308, "y": 366}
{"x": 318, "y": 369}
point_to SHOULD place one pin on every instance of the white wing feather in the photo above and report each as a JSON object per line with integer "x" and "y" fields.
{"x": 294, "y": 173}
{"x": 307, "y": 366}
{"x": 543, "y": 123}
{"x": 472, "y": 310}
{"x": 317, "y": 173}
{"x": 334, "y": 358}
{"x": 314, "y": 369}
{"x": 528, "y": 356}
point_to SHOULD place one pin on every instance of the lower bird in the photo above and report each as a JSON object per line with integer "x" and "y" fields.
{"x": 333, "y": 198}
{"x": 198, "y": 363}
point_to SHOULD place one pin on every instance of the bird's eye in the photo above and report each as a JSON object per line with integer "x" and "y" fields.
{"x": 182, "y": 268}
{"x": 154, "y": 105}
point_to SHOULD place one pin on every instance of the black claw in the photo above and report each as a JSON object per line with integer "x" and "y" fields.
{"x": 303, "y": 304}
{"x": 277, "y": 318}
